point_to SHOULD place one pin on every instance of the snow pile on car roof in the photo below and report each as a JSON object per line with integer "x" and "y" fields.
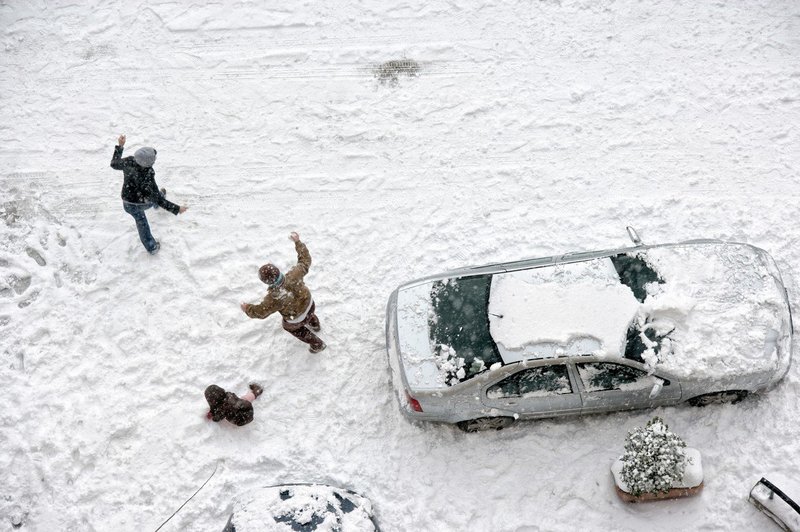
{"x": 717, "y": 305}
{"x": 560, "y": 310}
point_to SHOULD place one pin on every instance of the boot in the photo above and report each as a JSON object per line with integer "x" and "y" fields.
{"x": 317, "y": 348}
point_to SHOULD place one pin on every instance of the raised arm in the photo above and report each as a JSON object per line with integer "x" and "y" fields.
{"x": 116, "y": 159}
{"x": 303, "y": 256}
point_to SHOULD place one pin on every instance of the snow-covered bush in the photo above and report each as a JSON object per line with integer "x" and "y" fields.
{"x": 654, "y": 458}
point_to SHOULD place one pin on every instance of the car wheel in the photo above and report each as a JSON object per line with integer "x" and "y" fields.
{"x": 730, "y": 396}
{"x": 485, "y": 423}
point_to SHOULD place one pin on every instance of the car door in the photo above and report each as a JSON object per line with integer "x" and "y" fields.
{"x": 609, "y": 386}
{"x": 539, "y": 391}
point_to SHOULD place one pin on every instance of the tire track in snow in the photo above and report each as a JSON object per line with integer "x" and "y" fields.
{"x": 499, "y": 172}
{"x": 141, "y": 79}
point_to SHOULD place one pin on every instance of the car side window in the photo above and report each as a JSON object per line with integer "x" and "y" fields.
{"x": 534, "y": 382}
{"x": 602, "y": 376}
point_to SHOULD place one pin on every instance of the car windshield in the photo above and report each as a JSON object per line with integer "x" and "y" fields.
{"x": 635, "y": 273}
{"x": 645, "y": 337}
{"x": 459, "y": 327}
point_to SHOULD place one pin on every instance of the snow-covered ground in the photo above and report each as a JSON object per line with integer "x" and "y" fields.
{"x": 530, "y": 129}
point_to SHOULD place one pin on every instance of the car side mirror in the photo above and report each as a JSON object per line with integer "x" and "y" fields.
{"x": 656, "y": 388}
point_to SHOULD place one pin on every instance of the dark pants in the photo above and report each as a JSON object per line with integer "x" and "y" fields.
{"x": 137, "y": 211}
{"x": 302, "y": 330}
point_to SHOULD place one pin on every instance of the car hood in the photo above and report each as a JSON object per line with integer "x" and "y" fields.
{"x": 728, "y": 307}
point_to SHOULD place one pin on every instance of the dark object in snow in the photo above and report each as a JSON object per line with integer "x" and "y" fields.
{"x": 139, "y": 182}
{"x": 140, "y": 191}
{"x": 189, "y": 499}
{"x": 163, "y": 192}
{"x": 728, "y": 396}
{"x": 390, "y": 71}
{"x": 303, "y": 508}
{"x": 17, "y": 517}
{"x": 257, "y": 389}
{"x": 458, "y": 327}
{"x": 775, "y": 500}
{"x": 289, "y": 296}
{"x": 635, "y": 273}
{"x": 634, "y": 344}
{"x": 226, "y": 405}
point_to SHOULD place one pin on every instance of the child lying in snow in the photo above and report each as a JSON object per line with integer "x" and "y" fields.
{"x": 226, "y": 405}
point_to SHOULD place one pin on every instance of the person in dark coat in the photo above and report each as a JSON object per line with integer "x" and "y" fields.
{"x": 140, "y": 191}
{"x": 226, "y": 405}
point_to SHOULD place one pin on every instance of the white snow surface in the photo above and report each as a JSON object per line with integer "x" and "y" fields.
{"x": 531, "y": 129}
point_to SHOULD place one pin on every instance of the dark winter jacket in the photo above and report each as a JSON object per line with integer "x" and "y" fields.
{"x": 292, "y": 297}
{"x": 226, "y": 405}
{"x": 139, "y": 185}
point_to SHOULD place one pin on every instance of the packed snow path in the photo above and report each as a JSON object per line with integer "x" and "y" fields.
{"x": 526, "y": 129}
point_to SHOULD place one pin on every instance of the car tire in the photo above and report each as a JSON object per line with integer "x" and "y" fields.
{"x": 730, "y": 396}
{"x": 485, "y": 423}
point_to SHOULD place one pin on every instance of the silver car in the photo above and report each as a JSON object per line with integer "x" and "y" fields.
{"x": 699, "y": 322}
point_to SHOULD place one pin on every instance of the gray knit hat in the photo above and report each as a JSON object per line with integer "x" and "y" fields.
{"x": 145, "y": 157}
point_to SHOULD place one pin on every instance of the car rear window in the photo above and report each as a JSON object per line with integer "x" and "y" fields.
{"x": 459, "y": 327}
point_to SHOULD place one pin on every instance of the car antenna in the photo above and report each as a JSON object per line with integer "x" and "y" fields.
{"x": 634, "y": 236}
